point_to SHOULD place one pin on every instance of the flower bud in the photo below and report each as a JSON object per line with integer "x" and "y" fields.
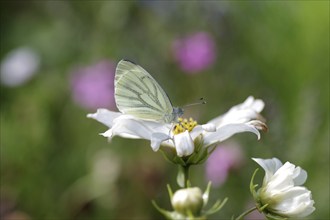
{"x": 188, "y": 200}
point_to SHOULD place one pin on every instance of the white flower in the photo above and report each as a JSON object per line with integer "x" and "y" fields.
{"x": 282, "y": 190}
{"x": 181, "y": 136}
{"x": 19, "y": 66}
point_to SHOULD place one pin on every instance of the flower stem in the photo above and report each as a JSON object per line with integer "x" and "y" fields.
{"x": 186, "y": 175}
{"x": 246, "y": 213}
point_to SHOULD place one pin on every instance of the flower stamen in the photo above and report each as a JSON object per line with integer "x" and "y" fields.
{"x": 184, "y": 125}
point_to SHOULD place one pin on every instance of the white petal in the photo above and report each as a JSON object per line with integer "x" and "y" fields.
{"x": 227, "y": 131}
{"x": 282, "y": 179}
{"x": 129, "y": 127}
{"x": 299, "y": 176}
{"x": 244, "y": 112}
{"x": 157, "y": 139}
{"x": 296, "y": 202}
{"x": 184, "y": 144}
{"x": 196, "y": 131}
{"x": 109, "y": 134}
{"x": 269, "y": 165}
{"x": 255, "y": 104}
{"x": 209, "y": 127}
{"x": 105, "y": 116}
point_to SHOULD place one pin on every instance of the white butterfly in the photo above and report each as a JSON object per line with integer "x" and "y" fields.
{"x": 137, "y": 93}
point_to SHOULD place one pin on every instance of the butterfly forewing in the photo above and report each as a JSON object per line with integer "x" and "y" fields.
{"x": 137, "y": 93}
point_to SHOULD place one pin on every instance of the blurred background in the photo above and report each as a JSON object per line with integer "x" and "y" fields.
{"x": 57, "y": 65}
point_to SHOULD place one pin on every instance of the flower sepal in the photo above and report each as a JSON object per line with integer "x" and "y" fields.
{"x": 199, "y": 155}
{"x": 253, "y": 188}
{"x": 171, "y": 156}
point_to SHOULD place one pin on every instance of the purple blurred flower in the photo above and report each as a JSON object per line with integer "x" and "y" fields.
{"x": 222, "y": 160}
{"x": 92, "y": 86}
{"x": 195, "y": 53}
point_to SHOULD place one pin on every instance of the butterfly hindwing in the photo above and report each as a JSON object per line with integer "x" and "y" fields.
{"x": 137, "y": 93}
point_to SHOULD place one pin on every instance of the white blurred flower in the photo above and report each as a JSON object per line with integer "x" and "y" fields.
{"x": 282, "y": 190}
{"x": 19, "y": 66}
{"x": 105, "y": 171}
{"x": 182, "y": 135}
{"x": 188, "y": 200}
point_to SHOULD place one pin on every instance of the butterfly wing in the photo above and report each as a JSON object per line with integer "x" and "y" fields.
{"x": 137, "y": 93}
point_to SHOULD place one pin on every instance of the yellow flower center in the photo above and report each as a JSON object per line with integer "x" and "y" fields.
{"x": 184, "y": 125}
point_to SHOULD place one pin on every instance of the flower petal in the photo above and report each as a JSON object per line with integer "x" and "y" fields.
{"x": 109, "y": 134}
{"x": 184, "y": 144}
{"x": 105, "y": 116}
{"x": 196, "y": 131}
{"x": 269, "y": 165}
{"x": 157, "y": 139}
{"x": 227, "y": 131}
{"x": 299, "y": 176}
{"x": 130, "y": 127}
{"x": 244, "y": 112}
{"x": 296, "y": 202}
{"x": 209, "y": 127}
{"x": 282, "y": 179}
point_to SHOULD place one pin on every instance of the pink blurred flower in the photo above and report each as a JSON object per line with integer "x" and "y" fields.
{"x": 93, "y": 87}
{"x": 224, "y": 158}
{"x": 195, "y": 53}
{"x": 255, "y": 215}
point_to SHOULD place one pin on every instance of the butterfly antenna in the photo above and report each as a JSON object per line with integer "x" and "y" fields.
{"x": 201, "y": 102}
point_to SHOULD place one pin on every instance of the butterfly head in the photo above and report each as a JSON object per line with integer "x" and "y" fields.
{"x": 177, "y": 112}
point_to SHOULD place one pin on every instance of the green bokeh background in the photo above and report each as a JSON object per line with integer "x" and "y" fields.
{"x": 274, "y": 50}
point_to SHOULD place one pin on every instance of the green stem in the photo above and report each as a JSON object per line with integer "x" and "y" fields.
{"x": 246, "y": 213}
{"x": 186, "y": 175}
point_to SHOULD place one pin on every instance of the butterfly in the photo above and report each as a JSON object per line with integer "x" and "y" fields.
{"x": 137, "y": 93}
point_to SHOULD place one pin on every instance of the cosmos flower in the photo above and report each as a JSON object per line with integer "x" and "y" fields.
{"x": 92, "y": 86}
{"x": 282, "y": 193}
{"x": 18, "y": 66}
{"x": 195, "y": 53}
{"x": 185, "y": 136}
